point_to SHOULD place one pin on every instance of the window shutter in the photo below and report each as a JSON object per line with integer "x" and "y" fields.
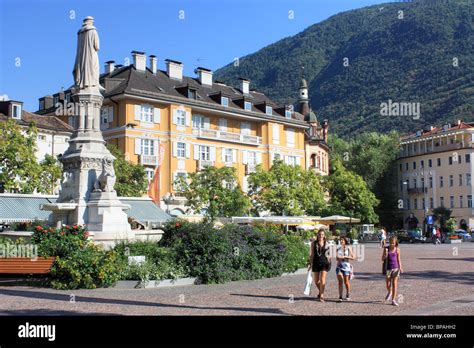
{"x": 138, "y": 112}
{"x": 207, "y": 123}
{"x": 138, "y": 146}
{"x": 188, "y": 150}
{"x": 244, "y": 157}
{"x": 245, "y": 128}
{"x": 212, "y": 153}
{"x": 259, "y": 157}
{"x": 156, "y": 147}
{"x": 196, "y": 152}
{"x": 276, "y": 133}
{"x": 156, "y": 115}
{"x": 286, "y": 159}
{"x": 234, "y": 156}
{"x": 188, "y": 118}
{"x": 298, "y": 161}
{"x": 175, "y": 116}
{"x": 175, "y": 148}
{"x": 223, "y": 155}
{"x": 111, "y": 114}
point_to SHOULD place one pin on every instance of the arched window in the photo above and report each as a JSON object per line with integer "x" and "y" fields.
{"x": 313, "y": 160}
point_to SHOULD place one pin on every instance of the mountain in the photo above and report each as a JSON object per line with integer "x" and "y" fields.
{"x": 410, "y": 52}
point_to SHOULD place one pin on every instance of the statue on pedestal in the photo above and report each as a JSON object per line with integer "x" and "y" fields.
{"x": 86, "y": 67}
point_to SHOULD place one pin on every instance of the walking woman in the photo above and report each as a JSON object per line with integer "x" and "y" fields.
{"x": 394, "y": 269}
{"x": 320, "y": 262}
{"x": 343, "y": 269}
{"x": 383, "y": 237}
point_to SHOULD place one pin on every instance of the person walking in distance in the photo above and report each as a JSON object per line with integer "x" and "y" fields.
{"x": 383, "y": 237}
{"x": 433, "y": 235}
{"x": 343, "y": 269}
{"x": 394, "y": 269}
{"x": 320, "y": 262}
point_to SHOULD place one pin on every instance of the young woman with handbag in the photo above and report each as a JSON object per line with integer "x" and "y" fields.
{"x": 320, "y": 262}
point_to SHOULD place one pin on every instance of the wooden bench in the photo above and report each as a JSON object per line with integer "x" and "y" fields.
{"x": 26, "y": 265}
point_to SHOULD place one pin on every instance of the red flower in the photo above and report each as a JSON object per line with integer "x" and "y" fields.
{"x": 178, "y": 225}
{"x": 39, "y": 228}
{"x": 86, "y": 234}
{"x": 75, "y": 227}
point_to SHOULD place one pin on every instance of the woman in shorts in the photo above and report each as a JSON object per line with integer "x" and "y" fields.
{"x": 343, "y": 269}
{"x": 394, "y": 269}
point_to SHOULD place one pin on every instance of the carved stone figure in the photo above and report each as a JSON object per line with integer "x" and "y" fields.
{"x": 86, "y": 67}
{"x": 106, "y": 180}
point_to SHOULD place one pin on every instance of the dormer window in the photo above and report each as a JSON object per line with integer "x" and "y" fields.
{"x": 288, "y": 113}
{"x": 248, "y": 106}
{"x": 16, "y": 111}
{"x": 224, "y": 101}
{"x": 191, "y": 94}
{"x": 268, "y": 110}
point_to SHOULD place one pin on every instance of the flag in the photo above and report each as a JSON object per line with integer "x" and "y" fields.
{"x": 154, "y": 187}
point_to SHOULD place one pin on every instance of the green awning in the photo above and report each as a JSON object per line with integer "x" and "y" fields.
{"x": 23, "y": 208}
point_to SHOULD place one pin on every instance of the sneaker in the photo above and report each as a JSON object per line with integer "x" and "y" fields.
{"x": 340, "y": 299}
{"x": 348, "y": 297}
{"x": 388, "y": 297}
{"x": 394, "y": 303}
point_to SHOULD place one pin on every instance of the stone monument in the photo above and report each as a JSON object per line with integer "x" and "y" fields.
{"x": 87, "y": 193}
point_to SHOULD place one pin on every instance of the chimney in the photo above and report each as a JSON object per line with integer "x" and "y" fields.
{"x": 109, "y": 66}
{"x": 139, "y": 60}
{"x": 174, "y": 69}
{"x": 153, "y": 64}
{"x": 459, "y": 122}
{"x": 244, "y": 85}
{"x": 205, "y": 76}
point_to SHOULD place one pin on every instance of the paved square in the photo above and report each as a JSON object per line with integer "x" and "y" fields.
{"x": 438, "y": 280}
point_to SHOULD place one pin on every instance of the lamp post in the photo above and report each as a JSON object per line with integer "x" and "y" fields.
{"x": 405, "y": 183}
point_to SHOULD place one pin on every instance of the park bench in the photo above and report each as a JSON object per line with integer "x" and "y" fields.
{"x": 26, "y": 265}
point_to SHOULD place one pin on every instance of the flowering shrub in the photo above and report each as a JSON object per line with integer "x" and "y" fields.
{"x": 79, "y": 263}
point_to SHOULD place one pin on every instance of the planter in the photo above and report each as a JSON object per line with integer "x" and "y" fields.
{"x": 453, "y": 241}
{"x": 152, "y": 284}
{"x": 355, "y": 241}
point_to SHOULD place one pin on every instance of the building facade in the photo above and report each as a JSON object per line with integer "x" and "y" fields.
{"x": 435, "y": 169}
{"x": 181, "y": 124}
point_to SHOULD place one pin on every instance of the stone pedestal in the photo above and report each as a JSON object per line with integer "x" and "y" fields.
{"x": 87, "y": 195}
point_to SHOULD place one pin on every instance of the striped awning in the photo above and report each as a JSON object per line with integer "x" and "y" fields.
{"x": 26, "y": 208}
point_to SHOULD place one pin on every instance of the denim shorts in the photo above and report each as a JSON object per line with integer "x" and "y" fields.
{"x": 343, "y": 272}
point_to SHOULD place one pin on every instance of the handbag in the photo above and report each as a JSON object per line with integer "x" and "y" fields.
{"x": 385, "y": 265}
{"x": 352, "y": 272}
{"x": 309, "y": 282}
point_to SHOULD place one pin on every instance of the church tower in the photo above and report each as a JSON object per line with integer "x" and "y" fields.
{"x": 303, "y": 99}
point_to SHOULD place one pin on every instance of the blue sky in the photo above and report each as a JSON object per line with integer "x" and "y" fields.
{"x": 38, "y": 37}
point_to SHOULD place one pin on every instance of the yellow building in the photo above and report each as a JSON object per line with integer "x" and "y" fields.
{"x": 185, "y": 123}
{"x": 435, "y": 169}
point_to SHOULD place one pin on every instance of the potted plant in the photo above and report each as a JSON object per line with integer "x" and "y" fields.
{"x": 354, "y": 237}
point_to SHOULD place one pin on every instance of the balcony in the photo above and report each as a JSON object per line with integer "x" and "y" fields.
{"x": 148, "y": 160}
{"x": 440, "y": 148}
{"x": 201, "y": 164}
{"x": 417, "y": 190}
{"x": 214, "y": 134}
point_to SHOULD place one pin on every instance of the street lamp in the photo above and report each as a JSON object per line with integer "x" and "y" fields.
{"x": 403, "y": 189}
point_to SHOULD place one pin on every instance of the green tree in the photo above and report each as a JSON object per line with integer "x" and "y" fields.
{"x": 214, "y": 190}
{"x": 50, "y": 172}
{"x": 19, "y": 169}
{"x": 131, "y": 178}
{"x": 286, "y": 190}
{"x": 349, "y": 194}
{"x": 442, "y": 215}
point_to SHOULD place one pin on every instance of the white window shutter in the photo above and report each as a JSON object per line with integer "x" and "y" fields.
{"x": 276, "y": 134}
{"x": 207, "y": 123}
{"x": 138, "y": 112}
{"x": 188, "y": 118}
{"x": 298, "y": 161}
{"x": 175, "y": 148}
{"x": 234, "y": 156}
{"x": 156, "y": 115}
{"x": 212, "y": 153}
{"x": 244, "y": 157}
{"x": 156, "y": 146}
{"x": 175, "y": 116}
{"x": 223, "y": 155}
{"x": 196, "y": 152}
{"x": 286, "y": 159}
{"x": 138, "y": 146}
{"x": 259, "y": 157}
{"x": 111, "y": 114}
{"x": 188, "y": 150}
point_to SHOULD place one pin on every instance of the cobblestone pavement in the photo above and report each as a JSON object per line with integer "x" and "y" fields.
{"x": 438, "y": 280}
